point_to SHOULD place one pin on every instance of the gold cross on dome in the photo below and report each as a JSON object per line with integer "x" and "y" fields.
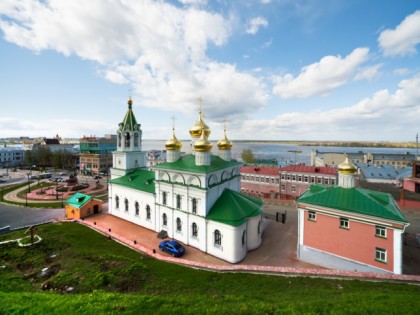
{"x": 173, "y": 121}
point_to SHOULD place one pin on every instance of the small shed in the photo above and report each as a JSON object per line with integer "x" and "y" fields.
{"x": 80, "y": 206}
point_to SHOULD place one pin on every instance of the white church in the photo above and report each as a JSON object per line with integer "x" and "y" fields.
{"x": 194, "y": 198}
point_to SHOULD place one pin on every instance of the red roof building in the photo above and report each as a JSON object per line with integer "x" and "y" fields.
{"x": 260, "y": 181}
{"x": 296, "y": 179}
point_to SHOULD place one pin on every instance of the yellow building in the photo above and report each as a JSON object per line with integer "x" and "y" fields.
{"x": 80, "y": 206}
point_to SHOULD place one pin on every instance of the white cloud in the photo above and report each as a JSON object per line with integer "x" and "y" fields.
{"x": 401, "y": 71}
{"x": 403, "y": 39}
{"x": 368, "y": 73}
{"x": 193, "y": 2}
{"x": 383, "y": 116}
{"x": 322, "y": 77}
{"x": 158, "y": 48}
{"x": 255, "y": 24}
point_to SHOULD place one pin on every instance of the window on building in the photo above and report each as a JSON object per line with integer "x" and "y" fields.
{"x": 164, "y": 219}
{"x": 312, "y": 179}
{"x": 194, "y": 205}
{"x": 137, "y": 206}
{"x": 178, "y": 225}
{"x": 243, "y": 177}
{"x": 147, "y": 212}
{"x": 326, "y": 179}
{"x": 319, "y": 180}
{"x": 257, "y": 179}
{"x": 380, "y": 254}
{"x": 288, "y": 177}
{"x": 252, "y": 178}
{"x": 247, "y": 178}
{"x": 178, "y": 201}
{"x": 126, "y": 204}
{"x": 283, "y": 187}
{"x": 293, "y": 177}
{"x": 267, "y": 180}
{"x": 194, "y": 229}
{"x": 217, "y": 238}
{"x": 300, "y": 178}
{"x": 312, "y": 215}
{"x": 136, "y": 139}
{"x": 380, "y": 231}
{"x": 164, "y": 197}
{"x": 293, "y": 189}
{"x": 306, "y": 179}
{"x": 344, "y": 223}
{"x": 282, "y": 176}
{"x": 243, "y": 237}
{"x": 332, "y": 181}
{"x": 117, "y": 202}
{"x": 277, "y": 181}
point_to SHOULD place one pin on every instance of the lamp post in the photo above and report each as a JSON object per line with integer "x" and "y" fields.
{"x": 56, "y": 187}
{"x": 29, "y": 186}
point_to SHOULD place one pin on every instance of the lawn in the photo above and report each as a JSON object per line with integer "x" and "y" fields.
{"x": 77, "y": 270}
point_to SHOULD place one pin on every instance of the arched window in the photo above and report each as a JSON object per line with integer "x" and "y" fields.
{"x": 164, "y": 220}
{"x": 164, "y": 197}
{"x": 217, "y": 238}
{"x": 243, "y": 237}
{"x": 127, "y": 139}
{"x": 137, "y": 206}
{"x": 178, "y": 201}
{"x": 126, "y": 204}
{"x": 178, "y": 225}
{"x": 117, "y": 202}
{"x": 136, "y": 139}
{"x": 194, "y": 229}
{"x": 147, "y": 212}
{"x": 194, "y": 205}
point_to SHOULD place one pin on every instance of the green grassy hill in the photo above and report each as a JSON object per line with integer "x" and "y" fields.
{"x": 75, "y": 270}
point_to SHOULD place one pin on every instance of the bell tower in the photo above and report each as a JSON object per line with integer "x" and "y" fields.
{"x": 129, "y": 155}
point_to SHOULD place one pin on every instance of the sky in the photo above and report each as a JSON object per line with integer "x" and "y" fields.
{"x": 264, "y": 70}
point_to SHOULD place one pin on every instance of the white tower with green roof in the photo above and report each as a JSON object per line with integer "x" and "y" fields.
{"x": 129, "y": 155}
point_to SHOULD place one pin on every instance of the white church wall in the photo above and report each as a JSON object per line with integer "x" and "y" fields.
{"x": 254, "y": 232}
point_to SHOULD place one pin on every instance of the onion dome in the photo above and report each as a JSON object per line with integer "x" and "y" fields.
{"x": 224, "y": 143}
{"x": 129, "y": 123}
{"x": 173, "y": 143}
{"x": 346, "y": 167}
{"x": 202, "y": 144}
{"x": 199, "y": 126}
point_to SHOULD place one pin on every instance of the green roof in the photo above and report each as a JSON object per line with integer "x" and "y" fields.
{"x": 129, "y": 121}
{"x": 233, "y": 208}
{"x": 187, "y": 164}
{"x": 354, "y": 200}
{"x": 140, "y": 179}
{"x": 78, "y": 200}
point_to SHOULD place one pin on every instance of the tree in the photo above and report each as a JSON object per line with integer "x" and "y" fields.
{"x": 247, "y": 156}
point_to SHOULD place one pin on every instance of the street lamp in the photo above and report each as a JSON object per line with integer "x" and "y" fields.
{"x": 56, "y": 187}
{"x": 29, "y": 186}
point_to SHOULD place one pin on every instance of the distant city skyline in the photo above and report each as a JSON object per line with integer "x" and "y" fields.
{"x": 275, "y": 70}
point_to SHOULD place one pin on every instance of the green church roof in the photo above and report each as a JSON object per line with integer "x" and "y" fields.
{"x": 129, "y": 122}
{"x": 140, "y": 179}
{"x": 354, "y": 200}
{"x": 233, "y": 208}
{"x": 187, "y": 164}
{"x": 78, "y": 200}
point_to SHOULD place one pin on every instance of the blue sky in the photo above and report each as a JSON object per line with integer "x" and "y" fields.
{"x": 275, "y": 70}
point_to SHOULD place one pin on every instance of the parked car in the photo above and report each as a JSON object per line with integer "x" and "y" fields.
{"x": 172, "y": 247}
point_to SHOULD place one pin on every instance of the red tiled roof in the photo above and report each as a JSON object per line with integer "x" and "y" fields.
{"x": 302, "y": 168}
{"x": 261, "y": 170}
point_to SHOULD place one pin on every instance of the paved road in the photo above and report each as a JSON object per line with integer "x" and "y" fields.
{"x": 17, "y": 216}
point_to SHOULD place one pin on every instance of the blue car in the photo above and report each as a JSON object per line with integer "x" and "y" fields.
{"x": 172, "y": 247}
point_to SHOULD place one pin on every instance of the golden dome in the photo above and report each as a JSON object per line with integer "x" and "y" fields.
{"x": 130, "y": 102}
{"x": 173, "y": 143}
{"x": 346, "y": 167}
{"x": 199, "y": 126}
{"x": 224, "y": 143}
{"x": 202, "y": 144}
